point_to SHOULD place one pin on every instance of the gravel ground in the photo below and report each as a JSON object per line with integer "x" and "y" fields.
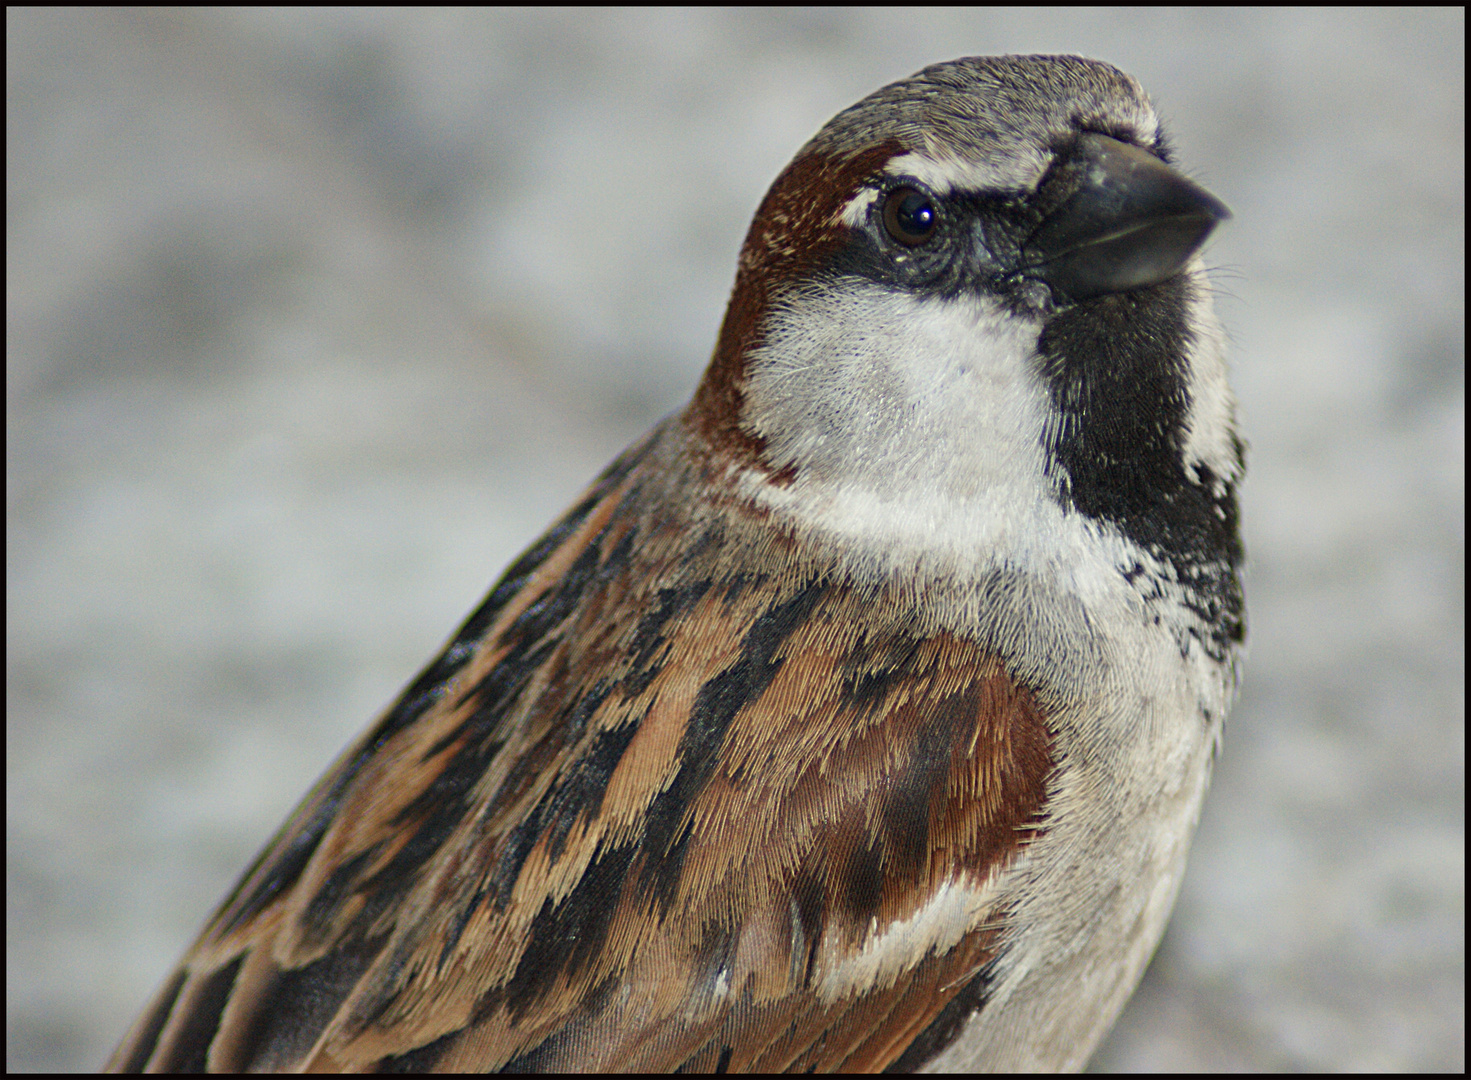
{"x": 315, "y": 318}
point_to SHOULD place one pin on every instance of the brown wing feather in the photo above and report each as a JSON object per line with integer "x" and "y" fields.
{"x": 649, "y": 809}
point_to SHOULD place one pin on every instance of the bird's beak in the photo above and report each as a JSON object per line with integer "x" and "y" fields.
{"x": 1129, "y": 221}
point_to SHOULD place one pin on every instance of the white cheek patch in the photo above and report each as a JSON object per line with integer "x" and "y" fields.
{"x": 915, "y": 422}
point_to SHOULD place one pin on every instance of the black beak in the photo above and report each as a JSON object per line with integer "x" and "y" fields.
{"x": 1129, "y": 221}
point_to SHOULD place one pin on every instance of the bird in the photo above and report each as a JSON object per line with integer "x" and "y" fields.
{"x": 859, "y": 715}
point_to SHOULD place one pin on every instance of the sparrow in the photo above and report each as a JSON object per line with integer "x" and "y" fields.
{"x": 859, "y": 715}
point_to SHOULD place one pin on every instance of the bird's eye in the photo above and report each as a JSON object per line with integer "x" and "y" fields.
{"x": 910, "y": 216}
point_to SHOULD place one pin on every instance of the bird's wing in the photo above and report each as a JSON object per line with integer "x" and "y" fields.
{"x": 652, "y": 807}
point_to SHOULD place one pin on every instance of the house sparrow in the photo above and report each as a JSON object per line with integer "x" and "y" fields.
{"x": 859, "y": 715}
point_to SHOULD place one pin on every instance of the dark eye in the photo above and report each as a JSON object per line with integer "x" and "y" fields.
{"x": 910, "y": 216}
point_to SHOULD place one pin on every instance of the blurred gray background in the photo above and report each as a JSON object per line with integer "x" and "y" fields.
{"x": 316, "y": 318}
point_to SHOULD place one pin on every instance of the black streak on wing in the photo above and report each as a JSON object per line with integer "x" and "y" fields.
{"x": 310, "y": 996}
{"x": 550, "y": 1055}
{"x": 433, "y": 818}
{"x": 279, "y": 866}
{"x": 150, "y": 1029}
{"x": 316, "y": 919}
{"x": 581, "y": 794}
{"x": 565, "y": 937}
{"x": 945, "y": 1028}
{"x": 715, "y": 707}
{"x": 190, "y": 1046}
{"x": 423, "y": 1059}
